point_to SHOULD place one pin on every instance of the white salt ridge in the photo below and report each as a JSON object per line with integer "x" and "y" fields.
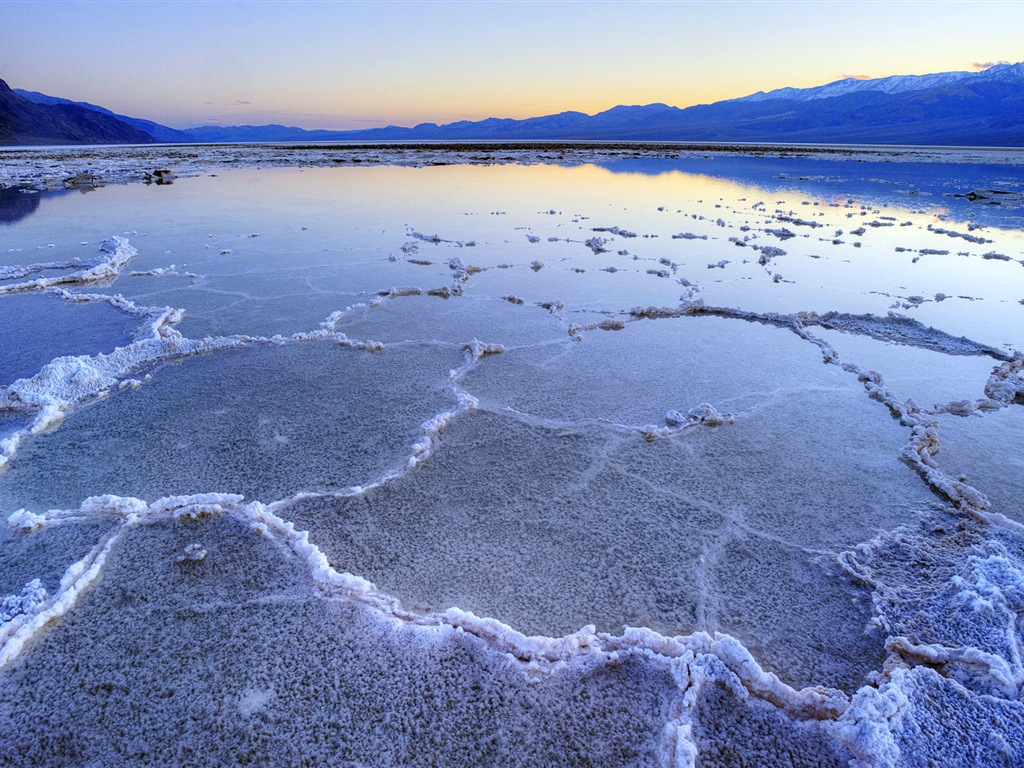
{"x": 103, "y": 269}
{"x": 615, "y": 231}
{"x": 993, "y": 674}
{"x": 768, "y": 253}
{"x": 703, "y": 415}
{"x": 20, "y": 629}
{"x": 160, "y": 319}
{"x": 15, "y": 271}
{"x": 610, "y": 324}
{"x": 68, "y": 381}
{"x": 422, "y": 449}
{"x": 951, "y": 608}
{"x": 923, "y": 443}
{"x": 892, "y": 328}
{"x": 479, "y": 349}
{"x": 336, "y": 317}
{"x": 951, "y": 233}
{"x": 460, "y": 274}
{"x": 1006, "y": 384}
{"x": 393, "y": 293}
{"x": 322, "y": 334}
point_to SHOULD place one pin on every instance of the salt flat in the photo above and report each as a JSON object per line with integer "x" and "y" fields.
{"x": 527, "y": 455}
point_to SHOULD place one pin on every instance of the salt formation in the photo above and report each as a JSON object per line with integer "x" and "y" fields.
{"x": 345, "y": 495}
{"x": 102, "y": 269}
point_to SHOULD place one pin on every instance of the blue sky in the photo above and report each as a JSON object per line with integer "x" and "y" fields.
{"x": 361, "y": 64}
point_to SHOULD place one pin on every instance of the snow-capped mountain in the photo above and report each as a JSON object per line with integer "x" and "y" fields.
{"x": 1004, "y": 73}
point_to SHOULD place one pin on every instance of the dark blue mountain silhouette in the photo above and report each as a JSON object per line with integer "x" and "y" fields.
{"x": 23, "y": 122}
{"x": 159, "y": 132}
{"x": 951, "y": 108}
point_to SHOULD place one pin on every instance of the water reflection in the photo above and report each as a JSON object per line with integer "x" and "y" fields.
{"x": 17, "y": 203}
{"x": 953, "y": 186}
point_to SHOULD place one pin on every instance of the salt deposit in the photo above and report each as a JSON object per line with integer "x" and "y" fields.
{"x": 355, "y": 472}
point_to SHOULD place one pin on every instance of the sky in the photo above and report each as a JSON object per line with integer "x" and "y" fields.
{"x": 342, "y": 65}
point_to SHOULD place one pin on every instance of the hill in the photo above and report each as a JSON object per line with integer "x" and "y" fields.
{"x": 23, "y": 122}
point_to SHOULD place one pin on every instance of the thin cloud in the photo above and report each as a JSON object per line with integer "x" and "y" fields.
{"x": 981, "y": 66}
{"x": 855, "y": 77}
{"x": 239, "y": 102}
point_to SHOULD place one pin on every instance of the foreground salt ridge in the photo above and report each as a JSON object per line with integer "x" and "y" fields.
{"x": 101, "y": 270}
{"x": 862, "y": 724}
{"x": 693, "y": 660}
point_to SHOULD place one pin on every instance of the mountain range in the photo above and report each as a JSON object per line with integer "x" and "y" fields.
{"x": 983, "y": 108}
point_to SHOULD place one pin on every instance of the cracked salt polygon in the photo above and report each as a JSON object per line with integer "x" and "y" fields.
{"x": 269, "y": 630}
{"x": 348, "y": 416}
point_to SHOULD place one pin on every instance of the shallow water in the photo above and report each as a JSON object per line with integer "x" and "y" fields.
{"x": 647, "y": 462}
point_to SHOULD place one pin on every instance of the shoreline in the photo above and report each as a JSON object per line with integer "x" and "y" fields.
{"x": 48, "y": 168}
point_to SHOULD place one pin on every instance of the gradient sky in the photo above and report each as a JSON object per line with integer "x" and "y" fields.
{"x": 364, "y": 64}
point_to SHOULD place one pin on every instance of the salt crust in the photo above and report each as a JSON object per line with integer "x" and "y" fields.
{"x": 864, "y": 726}
{"x": 867, "y": 726}
{"x": 683, "y": 656}
{"x": 48, "y": 168}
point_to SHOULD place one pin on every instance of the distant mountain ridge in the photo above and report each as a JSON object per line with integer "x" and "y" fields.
{"x": 983, "y": 108}
{"x": 158, "y": 132}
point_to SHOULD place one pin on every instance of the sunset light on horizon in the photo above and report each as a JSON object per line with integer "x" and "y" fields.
{"x": 349, "y": 65}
